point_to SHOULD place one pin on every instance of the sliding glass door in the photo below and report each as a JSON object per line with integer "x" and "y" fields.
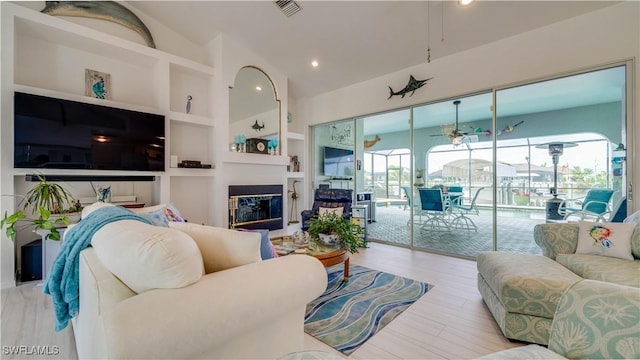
{"x": 500, "y": 162}
{"x": 560, "y": 137}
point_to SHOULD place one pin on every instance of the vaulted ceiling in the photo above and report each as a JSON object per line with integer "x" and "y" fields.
{"x": 355, "y": 41}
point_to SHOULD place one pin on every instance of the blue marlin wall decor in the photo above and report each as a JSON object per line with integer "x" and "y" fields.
{"x": 103, "y": 10}
{"x": 412, "y": 86}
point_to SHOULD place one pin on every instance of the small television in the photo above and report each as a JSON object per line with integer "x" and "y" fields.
{"x": 338, "y": 162}
{"x": 53, "y": 133}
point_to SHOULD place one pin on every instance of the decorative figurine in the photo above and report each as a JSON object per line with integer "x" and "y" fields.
{"x": 189, "y": 98}
{"x": 103, "y": 194}
{"x": 257, "y": 127}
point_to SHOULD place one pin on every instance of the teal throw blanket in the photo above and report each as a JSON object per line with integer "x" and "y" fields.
{"x": 63, "y": 281}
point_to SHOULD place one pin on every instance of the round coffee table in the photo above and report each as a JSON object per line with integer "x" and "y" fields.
{"x": 332, "y": 256}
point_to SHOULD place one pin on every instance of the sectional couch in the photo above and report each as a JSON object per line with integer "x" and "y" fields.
{"x": 522, "y": 291}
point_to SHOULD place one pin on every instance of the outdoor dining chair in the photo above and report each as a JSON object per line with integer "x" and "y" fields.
{"x": 595, "y": 205}
{"x": 435, "y": 208}
{"x": 462, "y": 221}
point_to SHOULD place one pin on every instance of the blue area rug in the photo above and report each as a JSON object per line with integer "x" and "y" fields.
{"x": 348, "y": 314}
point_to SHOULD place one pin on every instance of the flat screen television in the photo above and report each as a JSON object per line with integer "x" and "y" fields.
{"x": 338, "y": 162}
{"x": 62, "y": 134}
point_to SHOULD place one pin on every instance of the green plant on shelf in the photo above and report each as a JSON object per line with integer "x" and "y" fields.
{"x": 44, "y": 207}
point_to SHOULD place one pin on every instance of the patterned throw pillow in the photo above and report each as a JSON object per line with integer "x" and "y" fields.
{"x": 161, "y": 215}
{"x": 337, "y": 210}
{"x": 607, "y": 239}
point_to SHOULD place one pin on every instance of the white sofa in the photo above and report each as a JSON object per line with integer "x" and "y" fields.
{"x": 244, "y": 308}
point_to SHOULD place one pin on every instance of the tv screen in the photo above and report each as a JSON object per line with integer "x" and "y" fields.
{"x": 338, "y": 162}
{"x": 62, "y": 134}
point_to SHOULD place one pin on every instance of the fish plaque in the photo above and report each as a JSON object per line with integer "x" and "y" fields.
{"x": 411, "y": 87}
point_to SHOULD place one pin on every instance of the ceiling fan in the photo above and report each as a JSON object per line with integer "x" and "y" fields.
{"x": 458, "y": 136}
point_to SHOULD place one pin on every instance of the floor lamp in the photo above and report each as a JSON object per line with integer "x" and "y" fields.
{"x": 555, "y": 150}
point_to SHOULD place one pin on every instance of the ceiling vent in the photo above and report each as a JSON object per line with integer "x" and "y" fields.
{"x": 288, "y": 7}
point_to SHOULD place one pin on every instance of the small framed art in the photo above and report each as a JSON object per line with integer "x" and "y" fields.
{"x": 97, "y": 84}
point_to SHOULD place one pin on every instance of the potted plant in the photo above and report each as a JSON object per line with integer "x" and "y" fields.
{"x": 45, "y": 206}
{"x": 348, "y": 234}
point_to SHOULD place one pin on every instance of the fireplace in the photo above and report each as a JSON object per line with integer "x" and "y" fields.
{"x": 255, "y": 207}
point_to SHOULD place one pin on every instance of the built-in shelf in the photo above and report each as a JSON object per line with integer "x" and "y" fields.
{"x": 295, "y": 175}
{"x": 191, "y": 172}
{"x": 191, "y": 119}
{"x": 36, "y": 177}
{"x": 84, "y": 99}
{"x": 260, "y": 159}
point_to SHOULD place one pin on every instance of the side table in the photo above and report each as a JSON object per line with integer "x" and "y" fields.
{"x": 50, "y": 249}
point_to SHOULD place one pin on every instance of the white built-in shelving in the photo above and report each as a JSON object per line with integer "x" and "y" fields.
{"x": 50, "y": 55}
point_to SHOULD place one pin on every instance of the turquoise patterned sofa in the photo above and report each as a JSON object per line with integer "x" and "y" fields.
{"x": 593, "y": 320}
{"x": 522, "y": 291}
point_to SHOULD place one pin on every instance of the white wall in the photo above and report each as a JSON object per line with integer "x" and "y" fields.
{"x": 601, "y": 37}
{"x": 230, "y": 56}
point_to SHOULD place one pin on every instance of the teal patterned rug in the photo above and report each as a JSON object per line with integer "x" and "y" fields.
{"x": 348, "y": 314}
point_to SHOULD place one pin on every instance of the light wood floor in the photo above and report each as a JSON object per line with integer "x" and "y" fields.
{"x": 449, "y": 322}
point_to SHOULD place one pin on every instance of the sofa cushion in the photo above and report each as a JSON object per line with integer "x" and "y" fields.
{"x": 267, "y": 251}
{"x": 146, "y": 257}
{"x": 93, "y": 207}
{"x": 525, "y": 283}
{"x": 222, "y": 248}
{"x": 603, "y": 268}
{"x": 597, "y": 320}
{"x": 606, "y": 239}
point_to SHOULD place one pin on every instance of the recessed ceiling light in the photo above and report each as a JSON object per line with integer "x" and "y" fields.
{"x": 465, "y": 2}
{"x": 314, "y": 63}
{"x": 259, "y": 88}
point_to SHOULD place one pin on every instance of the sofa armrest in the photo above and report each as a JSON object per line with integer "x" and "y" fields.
{"x": 200, "y": 320}
{"x": 597, "y": 320}
{"x": 222, "y": 248}
{"x": 555, "y": 239}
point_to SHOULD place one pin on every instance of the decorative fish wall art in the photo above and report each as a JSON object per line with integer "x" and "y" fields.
{"x": 103, "y": 10}
{"x": 411, "y": 87}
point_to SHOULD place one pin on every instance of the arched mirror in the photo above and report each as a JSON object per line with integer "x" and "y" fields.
{"x": 254, "y": 113}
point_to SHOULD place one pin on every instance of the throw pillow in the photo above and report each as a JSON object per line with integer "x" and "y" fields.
{"x": 146, "y": 257}
{"x": 222, "y": 248}
{"x": 337, "y": 210}
{"x": 161, "y": 215}
{"x": 608, "y": 239}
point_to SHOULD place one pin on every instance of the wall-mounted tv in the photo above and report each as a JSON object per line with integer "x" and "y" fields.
{"x": 338, "y": 162}
{"x": 62, "y": 134}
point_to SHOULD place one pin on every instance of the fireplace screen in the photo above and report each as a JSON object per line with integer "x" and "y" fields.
{"x": 255, "y": 207}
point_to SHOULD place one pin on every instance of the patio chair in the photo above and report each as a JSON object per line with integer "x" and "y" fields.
{"x": 457, "y": 198}
{"x": 462, "y": 221}
{"x": 595, "y": 205}
{"x": 409, "y": 195}
{"x": 619, "y": 212}
{"x": 436, "y": 208}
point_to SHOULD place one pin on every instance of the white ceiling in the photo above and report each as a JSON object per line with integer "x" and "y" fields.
{"x": 357, "y": 40}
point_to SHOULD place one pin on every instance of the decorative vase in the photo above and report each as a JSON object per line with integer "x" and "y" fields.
{"x": 329, "y": 240}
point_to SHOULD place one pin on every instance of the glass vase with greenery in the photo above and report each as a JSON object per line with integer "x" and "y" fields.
{"x": 45, "y": 207}
{"x": 349, "y": 234}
